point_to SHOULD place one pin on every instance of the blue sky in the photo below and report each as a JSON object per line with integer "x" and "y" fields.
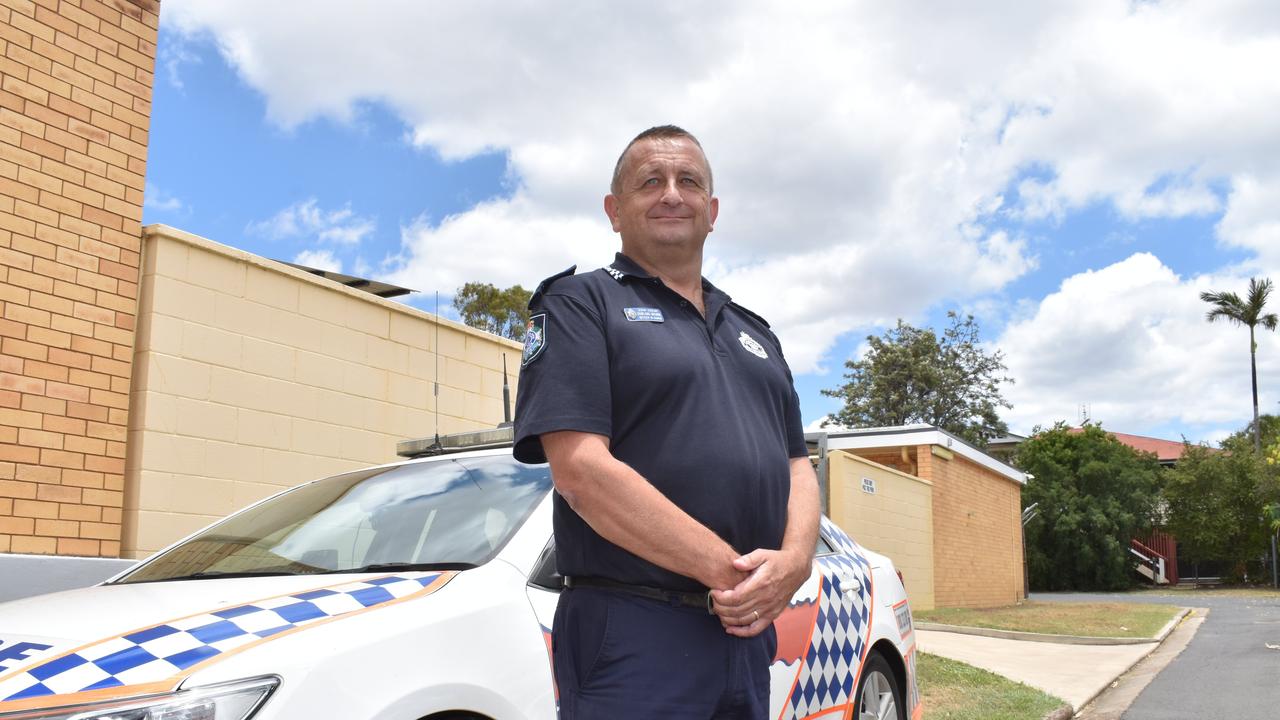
{"x": 1072, "y": 174}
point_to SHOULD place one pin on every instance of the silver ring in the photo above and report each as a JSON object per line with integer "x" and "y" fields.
{"x": 757, "y": 612}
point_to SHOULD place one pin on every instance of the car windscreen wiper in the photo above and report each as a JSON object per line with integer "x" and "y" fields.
{"x": 218, "y": 575}
{"x": 401, "y": 567}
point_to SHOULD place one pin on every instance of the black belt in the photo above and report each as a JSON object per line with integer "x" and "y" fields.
{"x": 700, "y": 600}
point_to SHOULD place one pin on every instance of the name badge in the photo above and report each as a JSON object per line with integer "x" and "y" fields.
{"x": 643, "y": 314}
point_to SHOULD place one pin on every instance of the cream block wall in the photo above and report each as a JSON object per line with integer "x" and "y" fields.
{"x": 896, "y": 521}
{"x": 251, "y": 376}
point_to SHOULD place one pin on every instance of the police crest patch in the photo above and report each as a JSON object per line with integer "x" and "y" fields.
{"x": 535, "y": 338}
{"x": 752, "y": 346}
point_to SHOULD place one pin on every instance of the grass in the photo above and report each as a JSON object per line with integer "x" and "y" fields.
{"x": 951, "y": 690}
{"x": 1117, "y": 620}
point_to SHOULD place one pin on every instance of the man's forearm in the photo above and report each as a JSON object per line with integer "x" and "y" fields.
{"x": 628, "y": 511}
{"x": 803, "y": 512}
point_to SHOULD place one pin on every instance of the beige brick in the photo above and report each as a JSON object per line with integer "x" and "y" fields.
{"x": 100, "y": 531}
{"x": 43, "y": 148}
{"x": 46, "y": 405}
{"x": 20, "y": 418}
{"x": 65, "y": 425}
{"x": 22, "y": 384}
{"x": 18, "y": 489}
{"x": 64, "y": 71}
{"x": 61, "y": 458}
{"x": 17, "y": 525}
{"x": 93, "y": 480}
{"x": 46, "y": 371}
{"x": 21, "y": 121}
{"x": 74, "y": 326}
{"x": 35, "y": 509}
{"x": 77, "y": 547}
{"x": 105, "y": 498}
{"x": 22, "y": 349}
{"x": 56, "y": 528}
{"x": 88, "y": 195}
{"x": 32, "y": 545}
{"x": 78, "y": 512}
{"x": 25, "y": 90}
{"x": 113, "y": 335}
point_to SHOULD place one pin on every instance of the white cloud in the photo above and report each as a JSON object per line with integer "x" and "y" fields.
{"x": 156, "y": 199}
{"x": 307, "y": 219}
{"x": 868, "y": 156}
{"x": 1131, "y": 341}
{"x": 319, "y": 259}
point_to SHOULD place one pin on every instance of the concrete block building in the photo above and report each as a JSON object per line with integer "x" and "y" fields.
{"x": 946, "y": 513}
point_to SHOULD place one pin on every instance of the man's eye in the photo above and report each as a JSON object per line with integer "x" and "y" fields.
{"x": 690, "y": 181}
{"x": 651, "y": 181}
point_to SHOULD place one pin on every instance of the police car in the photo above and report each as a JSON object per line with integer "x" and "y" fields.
{"x": 417, "y": 590}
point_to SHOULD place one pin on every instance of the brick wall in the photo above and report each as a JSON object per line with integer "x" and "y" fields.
{"x": 75, "y": 101}
{"x": 977, "y": 532}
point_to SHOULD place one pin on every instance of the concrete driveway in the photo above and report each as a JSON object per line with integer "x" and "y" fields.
{"x": 1229, "y": 671}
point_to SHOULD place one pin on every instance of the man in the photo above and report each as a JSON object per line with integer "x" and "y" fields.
{"x": 673, "y": 431}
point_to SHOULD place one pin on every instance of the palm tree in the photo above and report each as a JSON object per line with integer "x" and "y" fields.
{"x": 1228, "y": 306}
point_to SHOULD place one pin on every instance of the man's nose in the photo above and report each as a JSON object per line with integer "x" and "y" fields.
{"x": 671, "y": 193}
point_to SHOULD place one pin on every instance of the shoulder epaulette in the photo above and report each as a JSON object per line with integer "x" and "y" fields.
{"x": 546, "y": 284}
{"x": 748, "y": 312}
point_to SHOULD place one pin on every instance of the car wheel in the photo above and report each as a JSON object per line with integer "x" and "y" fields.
{"x": 878, "y": 696}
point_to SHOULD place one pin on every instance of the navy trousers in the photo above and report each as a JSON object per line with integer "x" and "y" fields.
{"x": 619, "y": 656}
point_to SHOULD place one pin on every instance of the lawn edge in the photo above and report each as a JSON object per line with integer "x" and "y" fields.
{"x": 1050, "y": 638}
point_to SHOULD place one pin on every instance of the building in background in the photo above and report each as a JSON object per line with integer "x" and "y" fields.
{"x": 946, "y": 513}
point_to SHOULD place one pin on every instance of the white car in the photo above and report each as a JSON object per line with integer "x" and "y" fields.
{"x": 418, "y": 590}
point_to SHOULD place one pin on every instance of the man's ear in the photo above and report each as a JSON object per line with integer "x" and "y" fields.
{"x": 611, "y": 210}
{"x": 715, "y": 212}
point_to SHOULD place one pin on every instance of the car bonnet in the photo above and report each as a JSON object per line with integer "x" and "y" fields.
{"x": 122, "y": 640}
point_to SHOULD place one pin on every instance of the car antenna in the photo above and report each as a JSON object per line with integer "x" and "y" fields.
{"x": 435, "y": 389}
{"x": 506, "y": 395}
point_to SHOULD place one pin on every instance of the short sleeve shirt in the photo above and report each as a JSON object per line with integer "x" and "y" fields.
{"x": 703, "y": 408}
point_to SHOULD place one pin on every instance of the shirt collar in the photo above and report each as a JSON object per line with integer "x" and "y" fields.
{"x": 624, "y": 266}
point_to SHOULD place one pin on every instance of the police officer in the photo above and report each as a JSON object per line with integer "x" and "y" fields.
{"x": 686, "y": 510}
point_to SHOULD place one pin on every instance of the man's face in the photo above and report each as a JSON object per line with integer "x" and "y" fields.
{"x": 665, "y": 196}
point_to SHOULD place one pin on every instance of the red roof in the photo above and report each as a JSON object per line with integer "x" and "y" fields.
{"x": 1165, "y": 450}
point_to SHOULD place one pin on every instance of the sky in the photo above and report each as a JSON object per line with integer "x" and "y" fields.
{"x": 1073, "y": 173}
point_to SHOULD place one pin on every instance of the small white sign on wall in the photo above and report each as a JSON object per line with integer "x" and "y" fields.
{"x": 869, "y": 486}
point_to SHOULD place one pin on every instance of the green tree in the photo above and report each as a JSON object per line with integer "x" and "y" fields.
{"x": 501, "y": 312}
{"x": 911, "y": 375}
{"x": 1216, "y": 506}
{"x": 1228, "y": 306}
{"x": 1093, "y": 495}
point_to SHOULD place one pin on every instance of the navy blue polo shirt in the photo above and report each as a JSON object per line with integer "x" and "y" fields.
{"x": 703, "y": 408}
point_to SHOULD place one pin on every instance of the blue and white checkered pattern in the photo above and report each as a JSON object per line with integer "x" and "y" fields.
{"x": 830, "y": 669}
{"x": 165, "y": 651}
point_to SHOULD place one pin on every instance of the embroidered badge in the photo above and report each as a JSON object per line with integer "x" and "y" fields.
{"x": 751, "y": 345}
{"x": 535, "y": 338}
{"x": 642, "y": 314}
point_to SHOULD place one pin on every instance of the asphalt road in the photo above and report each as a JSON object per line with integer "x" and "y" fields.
{"x": 1227, "y": 672}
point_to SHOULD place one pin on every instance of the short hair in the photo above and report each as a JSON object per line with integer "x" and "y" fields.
{"x": 658, "y": 132}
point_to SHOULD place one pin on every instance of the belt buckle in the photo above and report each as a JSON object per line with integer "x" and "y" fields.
{"x": 710, "y": 602}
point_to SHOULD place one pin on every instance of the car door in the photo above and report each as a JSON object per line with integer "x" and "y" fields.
{"x": 824, "y": 633}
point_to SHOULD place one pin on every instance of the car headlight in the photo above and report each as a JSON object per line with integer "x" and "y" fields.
{"x": 236, "y": 700}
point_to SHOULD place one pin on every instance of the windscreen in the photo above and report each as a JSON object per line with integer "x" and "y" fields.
{"x": 446, "y": 512}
